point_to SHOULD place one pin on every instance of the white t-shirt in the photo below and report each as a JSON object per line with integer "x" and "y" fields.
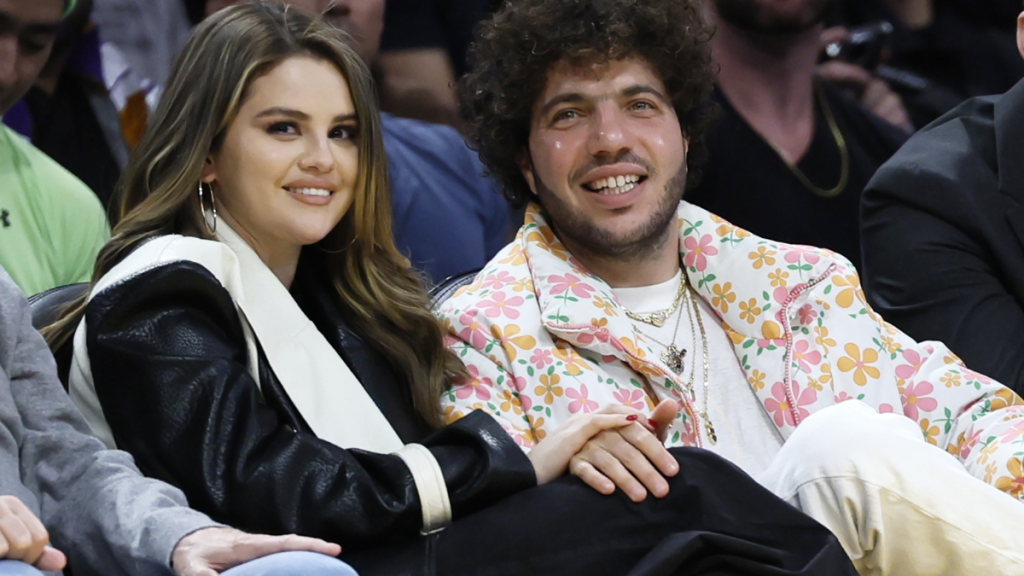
{"x": 746, "y": 435}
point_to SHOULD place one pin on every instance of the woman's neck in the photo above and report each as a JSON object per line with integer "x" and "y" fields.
{"x": 281, "y": 258}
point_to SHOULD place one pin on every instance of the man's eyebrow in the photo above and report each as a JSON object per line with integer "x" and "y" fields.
{"x": 562, "y": 99}
{"x": 638, "y": 89}
{"x": 11, "y": 25}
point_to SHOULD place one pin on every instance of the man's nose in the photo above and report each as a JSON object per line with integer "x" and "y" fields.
{"x": 610, "y": 133}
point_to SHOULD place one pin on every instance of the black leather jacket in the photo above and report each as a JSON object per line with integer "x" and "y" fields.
{"x": 169, "y": 364}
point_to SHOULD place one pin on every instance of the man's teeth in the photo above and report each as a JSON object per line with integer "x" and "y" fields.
{"x": 615, "y": 184}
{"x": 312, "y": 191}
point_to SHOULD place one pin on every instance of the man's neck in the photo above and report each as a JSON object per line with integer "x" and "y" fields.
{"x": 914, "y": 14}
{"x": 769, "y": 79}
{"x": 659, "y": 265}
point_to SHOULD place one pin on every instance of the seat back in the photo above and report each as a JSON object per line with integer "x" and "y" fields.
{"x": 46, "y": 309}
{"x": 447, "y": 288}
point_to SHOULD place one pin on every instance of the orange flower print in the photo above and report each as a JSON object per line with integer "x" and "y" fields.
{"x": 537, "y": 425}
{"x": 762, "y": 257}
{"x": 778, "y": 278}
{"x": 574, "y": 363}
{"x": 549, "y": 388}
{"x": 450, "y": 414}
{"x": 931, "y": 432}
{"x": 989, "y": 449}
{"x": 509, "y": 402}
{"x": 510, "y": 341}
{"x": 826, "y": 374}
{"x": 605, "y": 306}
{"x": 990, "y": 472}
{"x": 1005, "y": 397}
{"x": 757, "y": 380}
{"x": 1013, "y": 484}
{"x": 723, "y": 296}
{"x": 845, "y": 297}
{"x": 891, "y": 345}
{"x": 749, "y": 311}
{"x": 950, "y": 379}
{"x": 813, "y": 383}
{"x": 523, "y": 285}
{"x": 724, "y": 230}
{"x": 821, "y": 338}
{"x": 859, "y": 364}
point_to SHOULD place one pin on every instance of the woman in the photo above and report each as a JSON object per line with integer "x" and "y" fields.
{"x": 253, "y": 337}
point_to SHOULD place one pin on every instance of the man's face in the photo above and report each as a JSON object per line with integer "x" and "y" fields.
{"x": 607, "y": 157}
{"x": 362, "y": 19}
{"x": 27, "y": 31}
{"x": 773, "y": 16}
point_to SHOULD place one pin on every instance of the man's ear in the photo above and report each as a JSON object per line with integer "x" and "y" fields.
{"x": 1020, "y": 34}
{"x": 526, "y": 167}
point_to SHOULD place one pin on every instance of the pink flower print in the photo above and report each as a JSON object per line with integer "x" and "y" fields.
{"x": 697, "y": 252}
{"x": 580, "y": 400}
{"x": 473, "y": 332}
{"x": 804, "y": 358}
{"x": 780, "y": 294}
{"x": 843, "y": 397}
{"x": 497, "y": 281}
{"x": 631, "y": 398}
{"x": 886, "y": 409}
{"x": 570, "y": 282}
{"x": 907, "y": 371}
{"x": 1016, "y": 431}
{"x": 541, "y": 358}
{"x": 807, "y": 314}
{"x": 499, "y": 305}
{"x": 780, "y": 408}
{"x": 796, "y": 253}
{"x": 915, "y": 397}
{"x": 474, "y": 386}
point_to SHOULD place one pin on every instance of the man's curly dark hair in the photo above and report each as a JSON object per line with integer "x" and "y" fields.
{"x": 516, "y": 48}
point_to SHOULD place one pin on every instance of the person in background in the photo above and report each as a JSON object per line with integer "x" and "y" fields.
{"x": 616, "y": 293}
{"x": 448, "y": 216}
{"x": 148, "y": 33}
{"x": 941, "y": 52}
{"x": 51, "y": 224}
{"x": 943, "y": 237}
{"x": 423, "y": 50}
{"x": 790, "y": 154}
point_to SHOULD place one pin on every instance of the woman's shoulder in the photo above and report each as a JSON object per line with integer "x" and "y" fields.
{"x": 172, "y": 254}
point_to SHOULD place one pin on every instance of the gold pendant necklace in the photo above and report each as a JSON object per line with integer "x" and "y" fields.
{"x": 693, "y": 310}
{"x": 657, "y": 319}
{"x": 844, "y": 153}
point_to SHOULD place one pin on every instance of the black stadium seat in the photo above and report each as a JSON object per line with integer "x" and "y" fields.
{"x": 447, "y": 288}
{"x": 46, "y": 308}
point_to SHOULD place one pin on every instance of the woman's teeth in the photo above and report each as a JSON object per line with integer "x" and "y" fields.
{"x": 312, "y": 191}
{"x": 614, "y": 184}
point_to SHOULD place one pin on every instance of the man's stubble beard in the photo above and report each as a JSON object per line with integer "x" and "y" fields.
{"x": 754, "y": 16}
{"x": 580, "y": 234}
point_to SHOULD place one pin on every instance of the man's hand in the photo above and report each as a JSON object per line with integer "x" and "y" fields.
{"x": 23, "y": 537}
{"x": 630, "y": 457}
{"x": 209, "y": 551}
{"x": 550, "y": 457}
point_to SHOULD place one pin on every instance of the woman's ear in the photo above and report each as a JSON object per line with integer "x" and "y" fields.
{"x": 209, "y": 173}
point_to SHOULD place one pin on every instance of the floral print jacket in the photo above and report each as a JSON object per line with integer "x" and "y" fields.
{"x": 539, "y": 335}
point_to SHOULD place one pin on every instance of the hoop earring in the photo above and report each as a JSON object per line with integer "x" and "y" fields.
{"x": 211, "y": 228}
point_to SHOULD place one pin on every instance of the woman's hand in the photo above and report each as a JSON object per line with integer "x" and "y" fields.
{"x": 617, "y": 446}
{"x": 23, "y": 537}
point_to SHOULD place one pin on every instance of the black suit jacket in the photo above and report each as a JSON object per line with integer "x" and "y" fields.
{"x": 943, "y": 235}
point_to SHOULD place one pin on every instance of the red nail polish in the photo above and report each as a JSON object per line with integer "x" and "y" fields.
{"x": 652, "y": 422}
{"x": 632, "y": 417}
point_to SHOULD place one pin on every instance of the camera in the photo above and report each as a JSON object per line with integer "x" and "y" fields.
{"x": 866, "y": 45}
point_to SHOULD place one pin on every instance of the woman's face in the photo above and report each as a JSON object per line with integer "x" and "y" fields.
{"x": 286, "y": 171}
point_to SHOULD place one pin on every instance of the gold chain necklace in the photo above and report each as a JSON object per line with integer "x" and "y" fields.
{"x": 672, "y": 356}
{"x": 691, "y": 311}
{"x": 844, "y": 152}
{"x": 658, "y": 318}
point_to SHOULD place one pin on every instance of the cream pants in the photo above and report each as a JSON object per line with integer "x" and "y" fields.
{"x": 898, "y": 505}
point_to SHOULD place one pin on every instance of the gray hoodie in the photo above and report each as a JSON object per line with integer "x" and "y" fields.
{"x": 99, "y": 509}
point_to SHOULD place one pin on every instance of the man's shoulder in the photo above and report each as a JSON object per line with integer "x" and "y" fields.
{"x": 56, "y": 188}
{"x": 508, "y": 272}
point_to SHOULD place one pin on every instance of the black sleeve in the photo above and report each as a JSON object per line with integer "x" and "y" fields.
{"x": 168, "y": 358}
{"x": 929, "y": 270}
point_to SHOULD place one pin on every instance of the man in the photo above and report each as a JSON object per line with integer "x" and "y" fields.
{"x": 942, "y": 233}
{"x": 447, "y": 217}
{"x": 100, "y": 511}
{"x": 51, "y": 224}
{"x": 594, "y": 110}
{"x": 807, "y": 149}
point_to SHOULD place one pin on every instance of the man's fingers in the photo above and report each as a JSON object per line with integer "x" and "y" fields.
{"x": 652, "y": 449}
{"x": 664, "y": 414}
{"x": 586, "y": 472}
{"x": 51, "y": 560}
{"x": 636, "y": 462}
{"x": 37, "y": 533}
{"x": 262, "y": 545}
{"x": 607, "y": 464}
{"x": 19, "y": 539}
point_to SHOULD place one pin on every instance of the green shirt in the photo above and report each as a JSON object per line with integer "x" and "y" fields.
{"x": 52, "y": 226}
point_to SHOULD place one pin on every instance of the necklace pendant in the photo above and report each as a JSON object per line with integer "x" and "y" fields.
{"x": 710, "y": 428}
{"x": 658, "y": 319}
{"x": 673, "y": 358}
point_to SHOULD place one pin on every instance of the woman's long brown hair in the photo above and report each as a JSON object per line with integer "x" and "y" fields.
{"x": 384, "y": 298}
